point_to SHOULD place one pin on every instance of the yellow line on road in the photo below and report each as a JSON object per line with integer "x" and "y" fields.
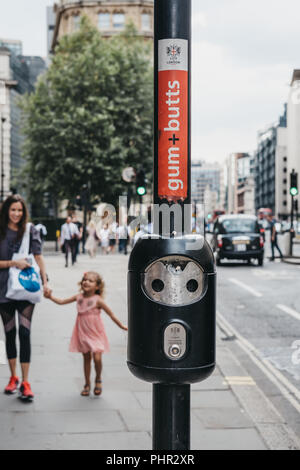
{"x": 239, "y": 381}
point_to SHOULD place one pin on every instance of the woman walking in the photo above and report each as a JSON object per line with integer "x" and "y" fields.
{"x": 92, "y": 242}
{"x": 13, "y": 222}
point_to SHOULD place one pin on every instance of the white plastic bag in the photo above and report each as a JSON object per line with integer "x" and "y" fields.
{"x": 25, "y": 284}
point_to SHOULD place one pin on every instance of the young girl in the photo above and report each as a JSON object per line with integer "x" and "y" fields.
{"x": 89, "y": 335}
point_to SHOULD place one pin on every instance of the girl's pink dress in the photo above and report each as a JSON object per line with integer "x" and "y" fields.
{"x": 88, "y": 333}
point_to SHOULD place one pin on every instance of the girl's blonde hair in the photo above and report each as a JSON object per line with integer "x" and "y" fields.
{"x": 99, "y": 281}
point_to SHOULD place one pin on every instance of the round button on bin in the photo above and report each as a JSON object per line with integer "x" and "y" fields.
{"x": 175, "y": 350}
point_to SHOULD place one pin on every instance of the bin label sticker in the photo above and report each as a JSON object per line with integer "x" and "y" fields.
{"x": 173, "y": 116}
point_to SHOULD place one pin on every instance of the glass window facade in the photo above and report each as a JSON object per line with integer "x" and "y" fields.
{"x": 146, "y": 22}
{"x": 118, "y": 20}
{"x": 76, "y": 22}
{"x": 104, "y": 21}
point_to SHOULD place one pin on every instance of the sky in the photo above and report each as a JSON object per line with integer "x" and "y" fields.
{"x": 244, "y": 54}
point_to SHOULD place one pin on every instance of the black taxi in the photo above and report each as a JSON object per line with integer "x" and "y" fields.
{"x": 238, "y": 237}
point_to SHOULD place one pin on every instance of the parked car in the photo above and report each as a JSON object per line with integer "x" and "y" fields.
{"x": 238, "y": 237}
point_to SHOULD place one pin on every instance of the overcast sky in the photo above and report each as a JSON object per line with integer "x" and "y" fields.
{"x": 244, "y": 53}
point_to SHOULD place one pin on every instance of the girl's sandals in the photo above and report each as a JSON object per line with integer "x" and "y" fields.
{"x": 98, "y": 389}
{"x": 86, "y": 391}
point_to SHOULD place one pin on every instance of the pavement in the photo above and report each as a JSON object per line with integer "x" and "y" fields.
{"x": 228, "y": 411}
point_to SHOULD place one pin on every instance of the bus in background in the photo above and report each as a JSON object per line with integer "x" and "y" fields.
{"x": 262, "y": 215}
{"x": 216, "y": 214}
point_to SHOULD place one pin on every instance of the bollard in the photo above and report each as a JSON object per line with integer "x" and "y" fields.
{"x": 172, "y": 276}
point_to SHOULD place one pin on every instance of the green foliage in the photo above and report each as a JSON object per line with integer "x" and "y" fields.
{"x": 90, "y": 116}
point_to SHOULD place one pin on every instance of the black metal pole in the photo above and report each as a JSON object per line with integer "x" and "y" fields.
{"x": 292, "y": 228}
{"x": 84, "y": 228}
{"x": 171, "y": 417}
{"x": 172, "y": 109}
{"x": 172, "y": 181}
{"x": 2, "y": 159}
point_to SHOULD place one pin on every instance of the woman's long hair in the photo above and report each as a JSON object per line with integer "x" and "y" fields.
{"x": 4, "y": 216}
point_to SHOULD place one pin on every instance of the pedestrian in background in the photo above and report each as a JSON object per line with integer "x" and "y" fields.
{"x": 104, "y": 237}
{"x": 113, "y": 228}
{"x": 69, "y": 234}
{"x": 43, "y": 231}
{"x": 122, "y": 234}
{"x": 274, "y": 238}
{"x": 79, "y": 237}
{"x": 13, "y": 222}
{"x": 92, "y": 240}
{"x": 89, "y": 337}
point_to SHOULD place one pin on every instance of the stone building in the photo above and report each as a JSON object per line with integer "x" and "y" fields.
{"x": 240, "y": 184}
{"x": 109, "y": 16}
{"x": 293, "y": 134}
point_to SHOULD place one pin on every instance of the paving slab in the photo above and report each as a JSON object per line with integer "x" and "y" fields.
{"x": 121, "y": 419}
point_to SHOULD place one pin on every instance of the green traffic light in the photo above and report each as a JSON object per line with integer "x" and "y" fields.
{"x": 141, "y": 191}
{"x": 294, "y": 191}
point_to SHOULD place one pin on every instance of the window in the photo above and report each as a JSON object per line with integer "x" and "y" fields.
{"x": 238, "y": 226}
{"x": 118, "y": 20}
{"x": 104, "y": 20}
{"x": 76, "y": 22}
{"x": 146, "y": 23}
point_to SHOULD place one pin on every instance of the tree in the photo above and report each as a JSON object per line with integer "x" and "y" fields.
{"x": 90, "y": 116}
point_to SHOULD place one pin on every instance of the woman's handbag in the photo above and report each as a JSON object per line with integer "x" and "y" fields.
{"x": 25, "y": 284}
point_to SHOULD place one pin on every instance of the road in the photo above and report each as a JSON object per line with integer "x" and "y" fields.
{"x": 259, "y": 313}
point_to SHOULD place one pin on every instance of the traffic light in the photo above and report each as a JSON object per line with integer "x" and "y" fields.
{"x": 141, "y": 189}
{"x": 294, "y": 184}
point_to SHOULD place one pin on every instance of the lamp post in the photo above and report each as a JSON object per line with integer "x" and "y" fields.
{"x": 2, "y": 159}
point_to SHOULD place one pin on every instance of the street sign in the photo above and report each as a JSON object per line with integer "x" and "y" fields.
{"x": 128, "y": 174}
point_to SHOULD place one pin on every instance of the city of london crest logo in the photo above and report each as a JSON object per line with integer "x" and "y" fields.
{"x": 173, "y": 51}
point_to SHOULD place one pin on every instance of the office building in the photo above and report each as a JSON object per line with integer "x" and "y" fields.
{"x": 207, "y": 185}
{"x": 271, "y": 168}
{"x": 18, "y": 75}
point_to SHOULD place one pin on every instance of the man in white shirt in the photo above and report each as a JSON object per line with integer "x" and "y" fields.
{"x": 68, "y": 237}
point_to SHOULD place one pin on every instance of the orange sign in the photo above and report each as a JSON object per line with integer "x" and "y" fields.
{"x": 173, "y": 128}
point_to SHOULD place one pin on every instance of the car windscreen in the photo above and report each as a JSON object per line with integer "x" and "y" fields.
{"x": 238, "y": 226}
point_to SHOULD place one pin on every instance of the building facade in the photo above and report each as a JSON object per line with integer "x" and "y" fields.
{"x": 207, "y": 185}
{"x": 109, "y": 16}
{"x": 293, "y": 133}
{"x": 240, "y": 184}
{"x": 18, "y": 75}
{"x": 51, "y": 20}
{"x": 271, "y": 169}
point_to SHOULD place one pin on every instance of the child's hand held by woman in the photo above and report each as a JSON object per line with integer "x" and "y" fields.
{"x": 89, "y": 336}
